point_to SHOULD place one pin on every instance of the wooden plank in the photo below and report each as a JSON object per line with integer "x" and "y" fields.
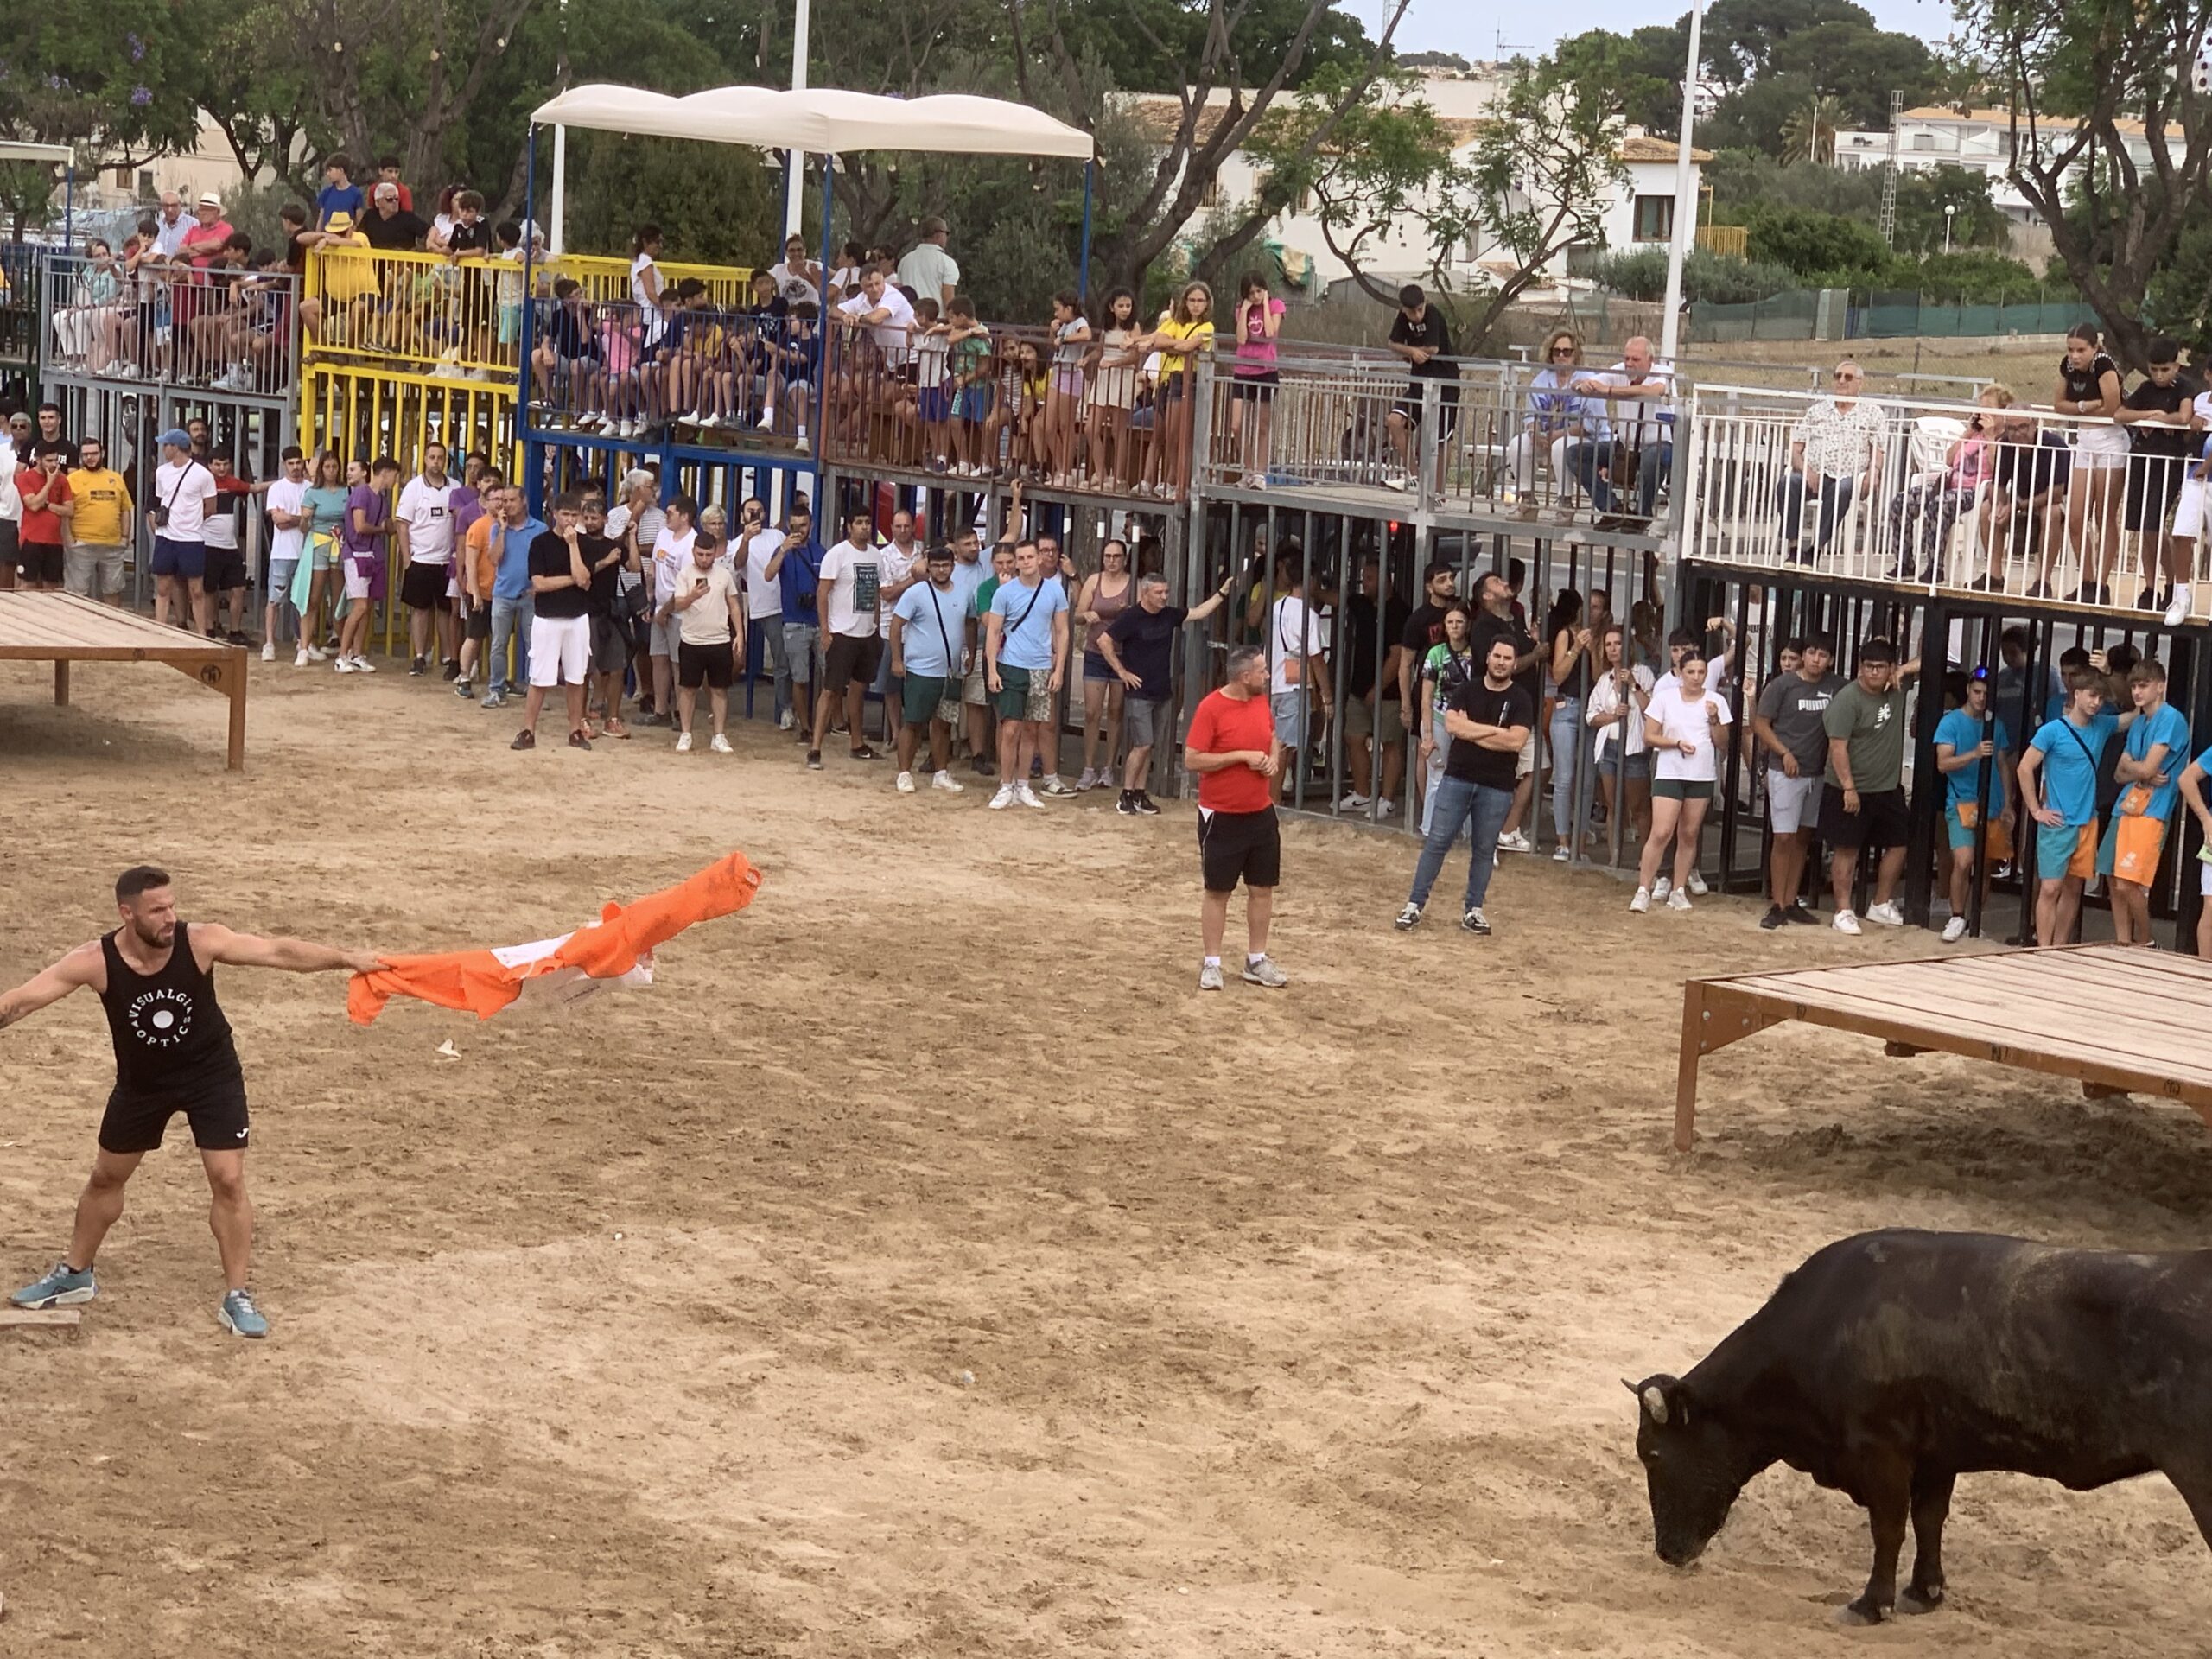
{"x": 59, "y": 1318}
{"x": 2034, "y": 1005}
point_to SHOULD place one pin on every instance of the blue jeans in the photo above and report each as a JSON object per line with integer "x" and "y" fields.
{"x": 1566, "y": 731}
{"x": 1647, "y": 468}
{"x": 1458, "y": 803}
{"x": 778, "y": 646}
{"x": 511, "y": 621}
{"x": 1836, "y": 501}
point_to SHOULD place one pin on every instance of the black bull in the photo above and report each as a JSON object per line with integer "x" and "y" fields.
{"x": 1892, "y": 1362}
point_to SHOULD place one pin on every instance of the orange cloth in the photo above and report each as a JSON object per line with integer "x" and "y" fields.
{"x": 621, "y": 943}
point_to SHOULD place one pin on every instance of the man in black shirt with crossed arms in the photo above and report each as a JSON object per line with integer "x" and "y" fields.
{"x": 155, "y": 977}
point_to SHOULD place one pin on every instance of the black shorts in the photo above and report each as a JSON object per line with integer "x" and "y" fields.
{"x": 1255, "y": 388}
{"x": 2153, "y": 487}
{"x": 1447, "y": 405}
{"x": 217, "y": 1114}
{"x": 39, "y": 562}
{"x": 1240, "y": 845}
{"x": 610, "y": 645}
{"x": 707, "y": 665}
{"x": 226, "y": 570}
{"x": 479, "y": 624}
{"x": 1881, "y": 820}
{"x": 423, "y": 587}
{"x": 852, "y": 661}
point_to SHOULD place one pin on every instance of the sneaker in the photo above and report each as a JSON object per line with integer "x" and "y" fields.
{"x": 317, "y": 654}
{"x": 1127, "y": 806}
{"x": 1264, "y": 972}
{"x": 1386, "y": 807}
{"x": 2178, "y": 607}
{"x": 1955, "y": 930}
{"x": 1475, "y": 921}
{"x": 362, "y": 665}
{"x": 1845, "y": 922}
{"x": 1408, "y": 918}
{"x": 945, "y": 781}
{"x": 1028, "y": 796}
{"x": 240, "y": 1317}
{"x": 495, "y": 698}
{"x": 1661, "y": 887}
{"x": 684, "y": 743}
{"x": 984, "y": 768}
{"x": 864, "y": 753}
{"x": 1773, "y": 918}
{"x": 578, "y": 740}
{"x": 1145, "y": 808}
{"x": 418, "y": 667}
{"x": 1885, "y": 915}
{"x": 1697, "y": 886}
{"x": 784, "y": 721}
{"x": 1090, "y": 779}
{"x": 1800, "y": 915}
{"x": 1003, "y": 799}
{"x": 1561, "y": 853}
{"x": 1393, "y": 479}
{"x": 1209, "y": 976}
{"x": 62, "y": 1287}
{"x": 1354, "y": 802}
{"x": 1641, "y": 903}
{"x": 344, "y": 666}
{"x": 1515, "y": 841}
{"x": 300, "y": 659}
{"x": 524, "y": 740}
{"x": 1678, "y": 899}
{"x": 905, "y": 781}
{"x": 452, "y": 671}
{"x": 813, "y": 760}
{"x": 720, "y": 744}
{"x": 269, "y": 651}
{"x": 1058, "y": 791}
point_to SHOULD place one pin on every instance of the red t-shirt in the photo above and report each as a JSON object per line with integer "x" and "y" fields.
{"x": 44, "y": 527}
{"x": 1220, "y": 724}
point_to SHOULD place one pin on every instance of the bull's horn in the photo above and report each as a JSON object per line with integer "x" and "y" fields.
{"x": 1632, "y": 1387}
{"x": 1655, "y": 1403}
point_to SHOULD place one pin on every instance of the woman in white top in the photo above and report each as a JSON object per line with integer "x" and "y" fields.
{"x": 1618, "y": 696}
{"x": 1683, "y": 725}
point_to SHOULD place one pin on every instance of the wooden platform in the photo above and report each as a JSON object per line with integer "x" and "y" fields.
{"x": 62, "y": 629}
{"x": 2123, "y": 1022}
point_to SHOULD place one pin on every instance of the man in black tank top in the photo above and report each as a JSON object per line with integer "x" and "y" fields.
{"x": 155, "y": 978}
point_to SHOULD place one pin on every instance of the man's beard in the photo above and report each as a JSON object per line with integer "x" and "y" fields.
{"x": 158, "y": 938}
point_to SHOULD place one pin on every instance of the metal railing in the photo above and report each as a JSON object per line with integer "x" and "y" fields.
{"x": 606, "y": 276}
{"x": 421, "y": 313}
{"x": 619, "y": 370}
{"x": 220, "y": 329}
{"x": 19, "y": 302}
{"x": 2019, "y": 503}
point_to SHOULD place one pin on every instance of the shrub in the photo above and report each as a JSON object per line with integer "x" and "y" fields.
{"x": 1715, "y": 279}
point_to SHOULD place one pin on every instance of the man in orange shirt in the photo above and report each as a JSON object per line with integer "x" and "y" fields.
{"x": 477, "y": 570}
{"x": 1231, "y": 746}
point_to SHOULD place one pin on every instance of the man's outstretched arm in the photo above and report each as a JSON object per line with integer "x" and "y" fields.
{"x": 72, "y": 972}
{"x": 237, "y": 949}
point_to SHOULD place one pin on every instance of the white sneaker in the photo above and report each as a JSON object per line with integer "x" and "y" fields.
{"x": 362, "y": 665}
{"x": 1003, "y": 799}
{"x": 1678, "y": 899}
{"x": 719, "y": 744}
{"x": 1955, "y": 930}
{"x": 1697, "y": 885}
{"x": 945, "y": 780}
{"x": 1355, "y": 802}
{"x": 1885, "y": 915}
{"x": 1028, "y": 796}
{"x": 684, "y": 743}
{"x": 1409, "y": 917}
{"x": 1662, "y": 886}
{"x": 1641, "y": 903}
{"x": 2178, "y": 607}
{"x": 784, "y": 721}
{"x": 1387, "y": 808}
{"x": 906, "y": 783}
{"x": 344, "y": 666}
{"x": 269, "y": 651}
{"x": 300, "y": 659}
{"x": 1562, "y": 855}
{"x": 317, "y": 654}
{"x": 1846, "y": 922}
{"x": 1515, "y": 841}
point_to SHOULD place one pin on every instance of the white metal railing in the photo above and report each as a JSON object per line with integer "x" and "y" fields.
{"x": 2020, "y": 502}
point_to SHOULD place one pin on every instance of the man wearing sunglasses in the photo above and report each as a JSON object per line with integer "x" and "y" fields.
{"x": 1835, "y": 453}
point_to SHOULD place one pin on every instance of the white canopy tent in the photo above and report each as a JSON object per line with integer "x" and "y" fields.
{"x": 59, "y": 156}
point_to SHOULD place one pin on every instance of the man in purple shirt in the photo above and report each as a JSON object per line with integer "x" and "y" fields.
{"x": 362, "y": 538}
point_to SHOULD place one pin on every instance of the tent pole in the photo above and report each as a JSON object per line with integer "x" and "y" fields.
{"x": 556, "y": 244}
{"x": 69, "y": 208}
{"x": 822, "y": 391}
{"x": 534, "y": 481}
{"x": 1083, "y": 262}
{"x": 795, "y": 172}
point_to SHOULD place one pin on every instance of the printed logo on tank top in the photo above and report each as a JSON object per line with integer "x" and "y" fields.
{"x": 160, "y": 1018}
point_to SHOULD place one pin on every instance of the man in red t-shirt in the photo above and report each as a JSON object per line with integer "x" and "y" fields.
{"x": 47, "y": 504}
{"x": 1231, "y": 746}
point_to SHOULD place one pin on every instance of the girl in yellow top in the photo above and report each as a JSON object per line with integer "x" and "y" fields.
{"x": 1186, "y": 330}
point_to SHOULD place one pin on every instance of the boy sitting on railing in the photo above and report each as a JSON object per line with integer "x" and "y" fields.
{"x": 568, "y": 366}
{"x": 969, "y": 344}
{"x": 932, "y": 389}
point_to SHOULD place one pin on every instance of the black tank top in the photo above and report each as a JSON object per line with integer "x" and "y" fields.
{"x": 2082, "y": 384}
{"x": 170, "y": 1037}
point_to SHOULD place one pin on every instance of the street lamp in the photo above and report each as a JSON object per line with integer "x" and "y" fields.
{"x": 1949, "y": 209}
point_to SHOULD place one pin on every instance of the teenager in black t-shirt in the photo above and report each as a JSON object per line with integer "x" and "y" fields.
{"x": 1491, "y": 721}
{"x": 1139, "y": 646}
{"x": 1421, "y": 336}
{"x": 2156, "y": 416}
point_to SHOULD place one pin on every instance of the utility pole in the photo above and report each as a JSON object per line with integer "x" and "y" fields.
{"x": 1890, "y": 179}
{"x": 1685, "y": 199}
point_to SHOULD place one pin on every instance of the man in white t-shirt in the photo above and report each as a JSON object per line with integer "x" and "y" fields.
{"x": 1639, "y": 397}
{"x": 846, "y": 597}
{"x": 1298, "y": 672}
{"x": 669, "y": 553}
{"x": 184, "y": 493}
{"x": 798, "y": 279}
{"x": 752, "y": 547}
{"x": 931, "y": 272}
{"x": 288, "y": 544}
{"x": 1685, "y": 723}
{"x": 424, "y": 525}
{"x": 889, "y": 319}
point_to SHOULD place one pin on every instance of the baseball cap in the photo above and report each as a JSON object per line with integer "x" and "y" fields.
{"x": 340, "y": 223}
{"x": 209, "y": 199}
{"x": 176, "y": 438}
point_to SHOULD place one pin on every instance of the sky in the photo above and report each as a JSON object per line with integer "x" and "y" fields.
{"x": 1473, "y": 28}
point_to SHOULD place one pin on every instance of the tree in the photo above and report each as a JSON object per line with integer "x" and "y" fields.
{"x": 2072, "y": 74}
{"x": 1740, "y": 37}
{"x": 1809, "y": 135}
{"x": 1388, "y": 172}
{"x": 1975, "y": 221}
{"x": 1641, "y": 74}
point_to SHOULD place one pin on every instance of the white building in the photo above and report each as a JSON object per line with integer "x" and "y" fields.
{"x": 1980, "y": 140}
{"x": 1641, "y": 211}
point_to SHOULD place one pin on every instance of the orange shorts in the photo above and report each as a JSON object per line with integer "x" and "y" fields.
{"x": 2131, "y": 846}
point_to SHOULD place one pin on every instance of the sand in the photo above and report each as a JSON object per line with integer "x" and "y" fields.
{"x": 1294, "y": 1319}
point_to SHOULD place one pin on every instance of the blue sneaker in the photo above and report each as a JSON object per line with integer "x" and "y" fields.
{"x": 63, "y": 1287}
{"x": 240, "y": 1317}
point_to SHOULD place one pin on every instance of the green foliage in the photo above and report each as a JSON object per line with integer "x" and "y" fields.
{"x": 1814, "y": 244}
{"x": 1741, "y": 37}
{"x": 1972, "y": 277}
{"x": 1975, "y": 277}
{"x": 1718, "y": 279}
{"x": 715, "y": 204}
{"x": 1151, "y": 44}
{"x": 2179, "y": 297}
{"x": 1640, "y": 73}
{"x": 1977, "y": 223}
{"x": 1780, "y": 59}
{"x": 109, "y": 74}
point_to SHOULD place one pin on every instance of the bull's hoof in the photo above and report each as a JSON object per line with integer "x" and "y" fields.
{"x": 1912, "y": 1599}
{"x": 1855, "y": 1614}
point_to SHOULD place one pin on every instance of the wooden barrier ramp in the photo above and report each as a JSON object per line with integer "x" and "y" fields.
{"x": 2122, "y": 1020}
{"x": 62, "y": 629}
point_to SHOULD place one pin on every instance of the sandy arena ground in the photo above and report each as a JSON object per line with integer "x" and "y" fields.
{"x": 1294, "y": 1319}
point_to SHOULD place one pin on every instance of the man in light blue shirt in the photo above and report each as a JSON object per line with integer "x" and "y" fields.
{"x": 1025, "y": 659}
{"x": 514, "y": 607}
{"x": 1968, "y": 740}
{"x": 929, "y": 630}
{"x": 2149, "y": 773}
{"x": 2058, "y": 787}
